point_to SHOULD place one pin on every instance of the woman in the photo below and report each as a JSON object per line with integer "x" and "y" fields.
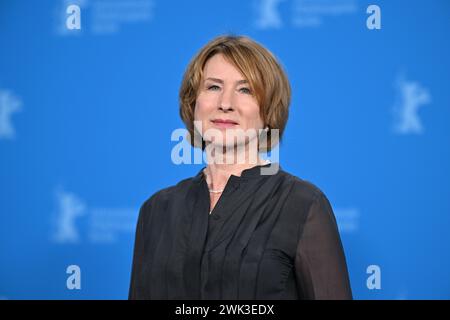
{"x": 237, "y": 230}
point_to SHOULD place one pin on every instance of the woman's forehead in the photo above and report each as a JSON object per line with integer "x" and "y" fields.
{"x": 220, "y": 69}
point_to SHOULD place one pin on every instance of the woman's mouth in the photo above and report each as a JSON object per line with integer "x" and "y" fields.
{"x": 224, "y": 123}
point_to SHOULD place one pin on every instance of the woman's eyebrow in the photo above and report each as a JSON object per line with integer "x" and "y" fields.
{"x": 221, "y": 81}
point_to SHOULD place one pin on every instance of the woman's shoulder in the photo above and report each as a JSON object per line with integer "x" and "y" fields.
{"x": 306, "y": 203}
{"x": 302, "y": 190}
{"x": 165, "y": 195}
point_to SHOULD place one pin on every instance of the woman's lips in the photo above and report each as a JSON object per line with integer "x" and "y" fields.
{"x": 224, "y": 124}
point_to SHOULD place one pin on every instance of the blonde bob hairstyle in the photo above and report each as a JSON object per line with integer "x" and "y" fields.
{"x": 259, "y": 67}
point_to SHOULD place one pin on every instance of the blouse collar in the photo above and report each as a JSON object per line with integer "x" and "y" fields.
{"x": 253, "y": 172}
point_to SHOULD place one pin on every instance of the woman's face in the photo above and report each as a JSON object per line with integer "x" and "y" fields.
{"x": 225, "y": 103}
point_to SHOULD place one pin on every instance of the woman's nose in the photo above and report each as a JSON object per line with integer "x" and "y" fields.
{"x": 226, "y": 101}
{"x": 226, "y": 107}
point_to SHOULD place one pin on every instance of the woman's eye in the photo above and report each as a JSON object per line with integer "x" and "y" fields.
{"x": 245, "y": 90}
{"x": 213, "y": 87}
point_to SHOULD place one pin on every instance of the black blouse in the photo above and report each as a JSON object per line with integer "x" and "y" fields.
{"x": 268, "y": 237}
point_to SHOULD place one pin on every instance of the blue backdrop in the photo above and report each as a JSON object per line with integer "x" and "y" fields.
{"x": 86, "y": 117}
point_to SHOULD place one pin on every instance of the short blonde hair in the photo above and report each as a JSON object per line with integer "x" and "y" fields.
{"x": 261, "y": 69}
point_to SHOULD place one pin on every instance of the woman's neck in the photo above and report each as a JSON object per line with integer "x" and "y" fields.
{"x": 217, "y": 174}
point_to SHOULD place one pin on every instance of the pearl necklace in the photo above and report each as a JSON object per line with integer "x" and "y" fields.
{"x": 215, "y": 191}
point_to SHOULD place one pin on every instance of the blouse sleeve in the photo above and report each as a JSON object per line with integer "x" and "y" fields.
{"x": 135, "y": 290}
{"x": 320, "y": 266}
